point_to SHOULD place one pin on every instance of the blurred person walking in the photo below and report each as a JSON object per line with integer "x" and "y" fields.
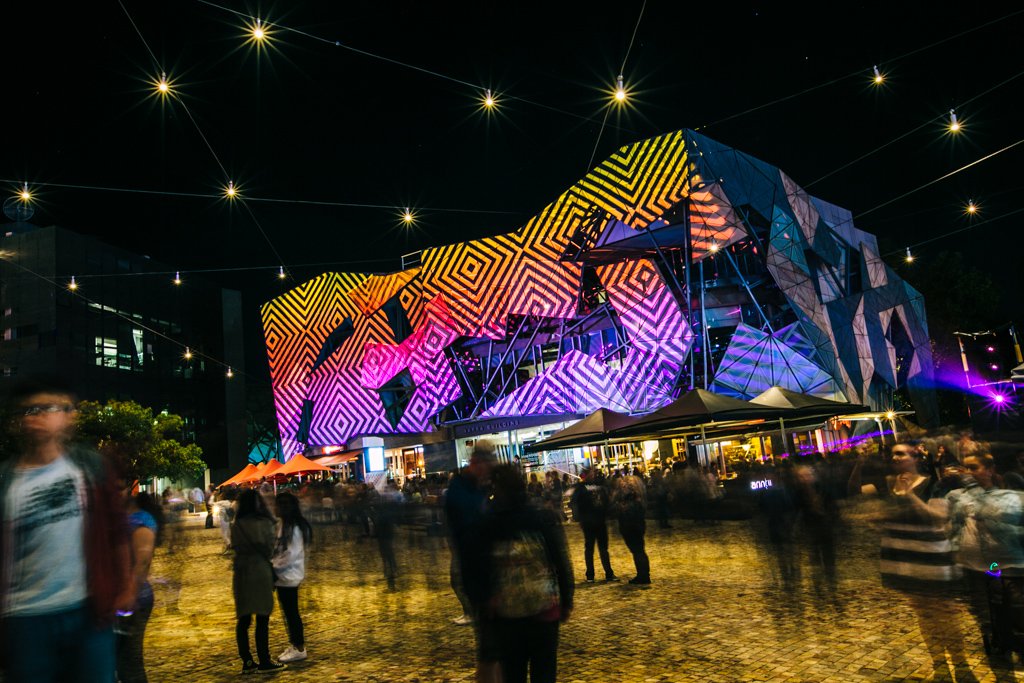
{"x": 253, "y": 538}
{"x": 66, "y": 566}
{"x": 465, "y": 509}
{"x": 145, "y": 518}
{"x": 630, "y": 504}
{"x": 986, "y": 529}
{"x": 289, "y": 561}
{"x": 917, "y": 558}
{"x": 589, "y": 505}
{"x": 526, "y": 584}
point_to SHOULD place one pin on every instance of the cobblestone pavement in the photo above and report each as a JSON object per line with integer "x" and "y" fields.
{"x": 714, "y": 613}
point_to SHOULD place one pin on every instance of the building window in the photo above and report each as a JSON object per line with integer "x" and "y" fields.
{"x": 139, "y": 353}
{"x": 106, "y": 352}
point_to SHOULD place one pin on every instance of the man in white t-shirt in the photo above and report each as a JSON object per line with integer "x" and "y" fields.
{"x": 64, "y": 559}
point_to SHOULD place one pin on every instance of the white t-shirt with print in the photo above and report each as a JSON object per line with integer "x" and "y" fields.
{"x": 45, "y": 512}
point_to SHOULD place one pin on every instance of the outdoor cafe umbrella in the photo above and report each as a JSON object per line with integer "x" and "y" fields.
{"x": 805, "y": 406}
{"x": 593, "y": 428}
{"x": 695, "y": 407}
{"x": 243, "y": 474}
{"x": 262, "y": 470}
{"x": 299, "y": 464}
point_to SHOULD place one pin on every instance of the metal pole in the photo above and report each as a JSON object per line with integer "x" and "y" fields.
{"x": 782, "y": 431}
{"x": 686, "y": 274}
{"x": 1016, "y": 344}
{"x": 704, "y": 325}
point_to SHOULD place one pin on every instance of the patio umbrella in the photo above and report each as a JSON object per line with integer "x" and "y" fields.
{"x": 695, "y": 407}
{"x": 803, "y": 406}
{"x": 594, "y": 428}
{"x": 299, "y": 464}
{"x": 245, "y": 472}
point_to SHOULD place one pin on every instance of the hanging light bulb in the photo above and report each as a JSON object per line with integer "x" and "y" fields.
{"x": 231, "y": 191}
{"x": 714, "y": 247}
{"x": 73, "y": 285}
{"x": 954, "y": 125}
{"x": 177, "y": 278}
{"x": 257, "y": 31}
{"x": 879, "y": 78}
{"x": 408, "y": 217}
{"x": 280, "y": 273}
{"x": 229, "y": 374}
{"x": 489, "y": 101}
{"x": 25, "y": 195}
{"x": 188, "y": 353}
{"x": 971, "y": 208}
{"x": 909, "y": 258}
{"x": 162, "y": 85}
{"x": 620, "y": 89}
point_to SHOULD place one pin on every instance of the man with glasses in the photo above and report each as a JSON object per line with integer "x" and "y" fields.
{"x": 65, "y": 565}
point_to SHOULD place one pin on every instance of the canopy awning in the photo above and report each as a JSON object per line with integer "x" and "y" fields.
{"x": 338, "y": 458}
{"x": 805, "y": 404}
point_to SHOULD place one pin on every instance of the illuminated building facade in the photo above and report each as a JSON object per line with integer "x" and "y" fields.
{"x": 677, "y": 262}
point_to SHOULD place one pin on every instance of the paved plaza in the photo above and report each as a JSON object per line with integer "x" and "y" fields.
{"x": 714, "y": 613}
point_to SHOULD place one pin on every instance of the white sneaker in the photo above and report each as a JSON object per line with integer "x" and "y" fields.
{"x": 291, "y": 654}
{"x": 464, "y": 620}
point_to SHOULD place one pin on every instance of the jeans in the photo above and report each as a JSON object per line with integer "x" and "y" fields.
{"x": 65, "y": 646}
{"x": 596, "y": 533}
{"x": 288, "y": 598}
{"x": 262, "y": 637}
{"x": 131, "y": 631}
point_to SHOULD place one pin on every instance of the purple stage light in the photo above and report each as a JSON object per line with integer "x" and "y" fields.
{"x": 991, "y": 349}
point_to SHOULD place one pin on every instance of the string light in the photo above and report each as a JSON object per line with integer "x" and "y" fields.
{"x": 408, "y": 217}
{"x": 25, "y": 195}
{"x": 229, "y": 374}
{"x": 280, "y": 273}
{"x": 713, "y": 248}
{"x": 488, "y": 100}
{"x": 163, "y": 86}
{"x": 258, "y": 33}
{"x": 909, "y": 258}
{"x": 954, "y": 124}
{"x": 620, "y": 89}
{"x": 73, "y": 285}
{"x": 971, "y": 208}
{"x": 188, "y": 353}
{"x": 231, "y": 191}
{"x": 879, "y": 78}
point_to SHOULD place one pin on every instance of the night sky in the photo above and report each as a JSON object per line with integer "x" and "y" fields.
{"x": 308, "y": 120}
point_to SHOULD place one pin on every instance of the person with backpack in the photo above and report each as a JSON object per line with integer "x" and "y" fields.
{"x": 589, "y": 505}
{"x": 289, "y": 561}
{"x": 526, "y": 582}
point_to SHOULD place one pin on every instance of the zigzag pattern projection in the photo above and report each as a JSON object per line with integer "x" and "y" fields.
{"x": 476, "y": 295}
{"x": 469, "y": 291}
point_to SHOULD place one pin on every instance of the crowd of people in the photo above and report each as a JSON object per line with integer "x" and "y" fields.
{"x": 77, "y": 543}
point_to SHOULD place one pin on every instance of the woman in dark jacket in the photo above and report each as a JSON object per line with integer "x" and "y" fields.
{"x": 253, "y": 535}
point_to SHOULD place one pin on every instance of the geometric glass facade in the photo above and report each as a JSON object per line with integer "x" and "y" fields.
{"x": 677, "y": 262}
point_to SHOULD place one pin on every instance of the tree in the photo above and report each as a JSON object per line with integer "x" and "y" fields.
{"x": 144, "y": 445}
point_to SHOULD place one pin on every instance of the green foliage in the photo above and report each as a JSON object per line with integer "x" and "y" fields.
{"x": 146, "y": 446}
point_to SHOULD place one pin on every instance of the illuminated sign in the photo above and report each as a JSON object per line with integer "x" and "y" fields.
{"x": 759, "y": 484}
{"x": 375, "y": 458}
